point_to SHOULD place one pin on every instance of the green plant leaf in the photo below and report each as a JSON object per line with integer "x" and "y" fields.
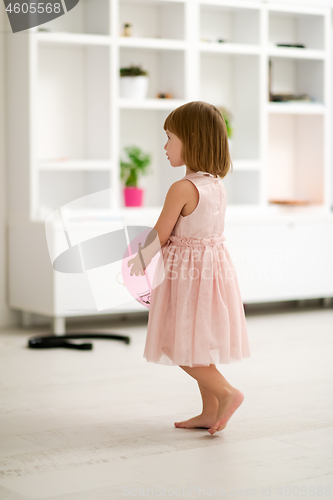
{"x": 131, "y": 170}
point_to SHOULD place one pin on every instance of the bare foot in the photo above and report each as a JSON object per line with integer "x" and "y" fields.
{"x": 201, "y": 421}
{"x": 227, "y": 406}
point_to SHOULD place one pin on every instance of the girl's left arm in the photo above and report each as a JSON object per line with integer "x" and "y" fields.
{"x": 177, "y": 196}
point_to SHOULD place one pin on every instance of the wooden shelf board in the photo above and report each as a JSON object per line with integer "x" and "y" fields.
{"x": 295, "y": 53}
{"x": 229, "y": 48}
{"x": 246, "y": 165}
{"x": 299, "y": 108}
{"x": 150, "y": 103}
{"x": 72, "y": 39}
{"x": 151, "y": 43}
{"x": 77, "y": 165}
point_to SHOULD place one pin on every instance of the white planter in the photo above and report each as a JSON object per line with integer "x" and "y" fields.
{"x": 133, "y": 87}
{"x": 230, "y": 146}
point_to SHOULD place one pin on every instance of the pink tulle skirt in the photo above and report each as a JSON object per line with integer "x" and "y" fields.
{"x": 196, "y": 315}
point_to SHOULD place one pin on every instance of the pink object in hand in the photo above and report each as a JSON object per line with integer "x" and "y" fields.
{"x": 140, "y": 287}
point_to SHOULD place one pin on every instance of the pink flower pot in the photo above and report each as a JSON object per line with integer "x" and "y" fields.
{"x": 133, "y": 196}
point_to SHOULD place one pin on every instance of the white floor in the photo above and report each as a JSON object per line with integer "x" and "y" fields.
{"x": 98, "y": 425}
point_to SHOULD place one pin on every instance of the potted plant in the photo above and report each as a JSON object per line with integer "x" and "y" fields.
{"x": 129, "y": 173}
{"x": 133, "y": 82}
{"x": 228, "y": 119}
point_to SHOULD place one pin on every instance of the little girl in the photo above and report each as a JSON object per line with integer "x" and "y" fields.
{"x": 196, "y": 315}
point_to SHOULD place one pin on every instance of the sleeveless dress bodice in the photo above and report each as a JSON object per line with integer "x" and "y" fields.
{"x": 207, "y": 219}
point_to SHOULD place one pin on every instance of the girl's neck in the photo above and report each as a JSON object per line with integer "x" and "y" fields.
{"x": 189, "y": 171}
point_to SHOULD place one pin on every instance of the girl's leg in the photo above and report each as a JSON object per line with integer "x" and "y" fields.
{"x": 210, "y": 403}
{"x": 208, "y": 416}
{"x": 229, "y": 397}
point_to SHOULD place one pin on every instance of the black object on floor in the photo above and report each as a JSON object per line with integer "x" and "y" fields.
{"x": 291, "y": 45}
{"x": 50, "y": 341}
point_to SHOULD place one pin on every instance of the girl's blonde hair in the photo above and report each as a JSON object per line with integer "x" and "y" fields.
{"x": 203, "y": 132}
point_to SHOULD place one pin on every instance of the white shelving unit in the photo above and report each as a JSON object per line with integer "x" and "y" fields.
{"x": 68, "y": 125}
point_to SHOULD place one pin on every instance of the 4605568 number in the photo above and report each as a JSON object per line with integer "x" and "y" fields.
{"x": 33, "y": 8}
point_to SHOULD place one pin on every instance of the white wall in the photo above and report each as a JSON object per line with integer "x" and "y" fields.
{"x": 7, "y": 317}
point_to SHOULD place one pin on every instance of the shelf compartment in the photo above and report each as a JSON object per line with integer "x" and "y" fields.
{"x": 88, "y": 16}
{"x": 73, "y": 103}
{"x": 58, "y": 188}
{"x": 222, "y": 84}
{"x": 144, "y": 128}
{"x": 295, "y": 165}
{"x": 153, "y": 19}
{"x": 161, "y": 65}
{"x": 232, "y": 24}
{"x": 242, "y": 187}
{"x": 297, "y": 28}
{"x": 298, "y": 76}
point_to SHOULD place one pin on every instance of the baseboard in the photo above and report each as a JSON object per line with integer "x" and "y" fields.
{"x": 9, "y": 317}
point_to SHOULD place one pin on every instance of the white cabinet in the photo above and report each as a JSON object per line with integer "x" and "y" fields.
{"x": 68, "y": 126}
{"x": 283, "y": 259}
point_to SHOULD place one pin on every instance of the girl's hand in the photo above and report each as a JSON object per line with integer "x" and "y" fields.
{"x": 137, "y": 265}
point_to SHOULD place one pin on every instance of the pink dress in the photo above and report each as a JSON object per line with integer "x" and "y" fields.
{"x": 196, "y": 314}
